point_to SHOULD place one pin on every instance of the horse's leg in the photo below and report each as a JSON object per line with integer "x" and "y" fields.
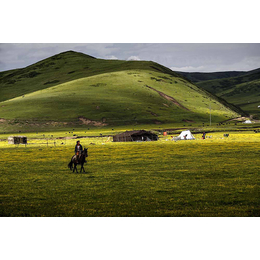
{"x": 75, "y": 167}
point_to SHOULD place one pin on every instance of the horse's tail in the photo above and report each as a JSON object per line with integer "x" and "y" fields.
{"x": 70, "y": 164}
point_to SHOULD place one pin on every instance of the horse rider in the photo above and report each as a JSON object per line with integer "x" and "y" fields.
{"x": 78, "y": 150}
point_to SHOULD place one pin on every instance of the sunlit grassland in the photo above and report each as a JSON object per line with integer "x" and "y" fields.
{"x": 118, "y": 98}
{"x": 213, "y": 177}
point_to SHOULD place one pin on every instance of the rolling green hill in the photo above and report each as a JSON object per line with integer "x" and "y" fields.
{"x": 76, "y": 89}
{"x": 246, "y": 96}
{"x": 242, "y": 91}
{"x": 62, "y": 68}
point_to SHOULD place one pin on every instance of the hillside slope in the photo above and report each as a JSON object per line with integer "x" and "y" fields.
{"x": 93, "y": 92}
{"x": 118, "y": 98}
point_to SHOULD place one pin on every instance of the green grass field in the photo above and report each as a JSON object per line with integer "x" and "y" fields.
{"x": 213, "y": 177}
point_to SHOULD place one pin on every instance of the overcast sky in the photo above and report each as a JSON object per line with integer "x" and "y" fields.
{"x": 204, "y": 57}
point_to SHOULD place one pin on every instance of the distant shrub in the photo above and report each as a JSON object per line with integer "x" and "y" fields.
{"x": 33, "y": 74}
{"x": 153, "y": 78}
{"x": 11, "y": 81}
{"x": 71, "y": 72}
{"x": 44, "y": 65}
{"x": 51, "y": 82}
{"x": 163, "y": 77}
{"x": 99, "y": 85}
{"x": 57, "y": 57}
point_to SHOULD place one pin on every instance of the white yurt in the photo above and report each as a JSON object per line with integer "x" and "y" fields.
{"x": 186, "y": 135}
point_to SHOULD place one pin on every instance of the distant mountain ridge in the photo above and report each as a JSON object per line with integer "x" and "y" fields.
{"x": 203, "y": 76}
{"x": 239, "y": 88}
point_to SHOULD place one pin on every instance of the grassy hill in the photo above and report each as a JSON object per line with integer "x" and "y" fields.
{"x": 76, "y": 89}
{"x": 62, "y": 68}
{"x": 242, "y": 91}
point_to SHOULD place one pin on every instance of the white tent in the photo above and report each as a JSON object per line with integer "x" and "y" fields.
{"x": 186, "y": 135}
{"x": 247, "y": 122}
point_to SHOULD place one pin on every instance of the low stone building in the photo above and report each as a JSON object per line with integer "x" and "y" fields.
{"x": 17, "y": 140}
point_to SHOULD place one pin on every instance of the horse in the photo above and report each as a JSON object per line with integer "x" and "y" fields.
{"x": 81, "y": 161}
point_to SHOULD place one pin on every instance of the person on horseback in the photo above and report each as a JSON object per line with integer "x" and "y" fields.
{"x": 78, "y": 150}
{"x": 78, "y": 158}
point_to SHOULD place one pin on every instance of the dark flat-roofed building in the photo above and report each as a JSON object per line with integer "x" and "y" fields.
{"x": 17, "y": 140}
{"x": 135, "y": 136}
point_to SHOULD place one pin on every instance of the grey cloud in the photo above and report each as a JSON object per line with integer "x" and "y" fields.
{"x": 186, "y": 57}
{"x": 133, "y": 58}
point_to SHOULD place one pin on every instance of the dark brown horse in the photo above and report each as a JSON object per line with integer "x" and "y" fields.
{"x": 81, "y": 160}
